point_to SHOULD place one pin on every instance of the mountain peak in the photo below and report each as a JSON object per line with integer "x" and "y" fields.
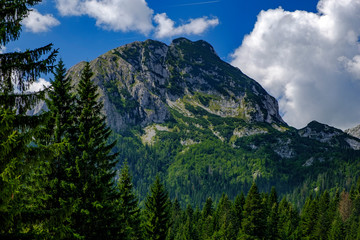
{"x": 142, "y": 82}
{"x": 200, "y": 45}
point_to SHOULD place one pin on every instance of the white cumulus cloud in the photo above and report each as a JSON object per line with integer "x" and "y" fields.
{"x": 166, "y": 26}
{"x": 117, "y": 15}
{"x": 36, "y": 22}
{"x": 309, "y": 61}
{"x": 133, "y": 15}
{"x": 38, "y": 85}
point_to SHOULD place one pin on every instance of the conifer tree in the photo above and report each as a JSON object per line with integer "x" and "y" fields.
{"x": 288, "y": 220}
{"x": 96, "y": 215}
{"x": 337, "y": 229}
{"x": 177, "y": 220}
{"x": 272, "y": 219}
{"x": 254, "y": 219}
{"x": 207, "y": 219}
{"x": 238, "y": 208}
{"x": 188, "y": 229}
{"x": 324, "y": 219}
{"x": 17, "y": 156}
{"x": 128, "y": 203}
{"x": 58, "y": 178}
{"x": 224, "y": 218}
{"x": 309, "y": 218}
{"x": 61, "y": 103}
{"x": 157, "y": 212}
{"x": 208, "y": 208}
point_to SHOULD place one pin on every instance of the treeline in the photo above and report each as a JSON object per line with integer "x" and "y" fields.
{"x": 264, "y": 216}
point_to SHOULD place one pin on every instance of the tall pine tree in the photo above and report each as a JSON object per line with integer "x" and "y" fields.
{"x": 96, "y": 215}
{"x": 157, "y": 212}
{"x": 128, "y": 203}
{"x": 58, "y": 180}
{"x": 254, "y": 217}
{"x": 17, "y": 156}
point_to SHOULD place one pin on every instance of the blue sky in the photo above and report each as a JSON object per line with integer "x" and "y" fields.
{"x": 305, "y": 53}
{"x": 79, "y": 38}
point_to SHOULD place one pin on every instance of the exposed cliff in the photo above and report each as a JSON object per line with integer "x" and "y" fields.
{"x": 140, "y": 81}
{"x": 355, "y": 131}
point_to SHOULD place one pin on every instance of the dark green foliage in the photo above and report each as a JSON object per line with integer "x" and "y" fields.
{"x": 59, "y": 175}
{"x": 337, "y": 230}
{"x": 288, "y": 220}
{"x": 157, "y": 212}
{"x": 20, "y": 155}
{"x": 128, "y": 204}
{"x": 95, "y": 215}
{"x": 273, "y": 216}
{"x": 309, "y": 217}
{"x": 11, "y": 15}
{"x": 61, "y": 102}
{"x": 253, "y": 222}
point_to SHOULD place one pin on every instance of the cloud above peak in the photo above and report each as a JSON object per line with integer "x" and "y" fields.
{"x": 132, "y": 15}
{"x": 309, "y": 61}
{"x": 166, "y": 26}
{"x": 116, "y": 15}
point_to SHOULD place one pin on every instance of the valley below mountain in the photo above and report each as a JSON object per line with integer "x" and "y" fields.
{"x": 180, "y": 112}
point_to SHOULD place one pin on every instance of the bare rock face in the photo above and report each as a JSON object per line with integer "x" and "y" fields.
{"x": 330, "y": 135}
{"x": 355, "y": 131}
{"x": 320, "y": 132}
{"x": 139, "y": 80}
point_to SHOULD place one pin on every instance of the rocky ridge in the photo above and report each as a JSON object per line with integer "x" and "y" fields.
{"x": 140, "y": 81}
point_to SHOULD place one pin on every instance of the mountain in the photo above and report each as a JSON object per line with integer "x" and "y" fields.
{"x": 206, "y": 128}
{"x": 142, "y": 80}
{"x": 355, "y": 131}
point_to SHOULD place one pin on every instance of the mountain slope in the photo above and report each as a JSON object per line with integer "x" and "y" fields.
{"x": 204, "y": 126}
{"x": 355, "y": 131}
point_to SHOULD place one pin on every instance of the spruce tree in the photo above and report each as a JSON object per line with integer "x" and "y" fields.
{"x": 207, "y": 220}
{"x": 337, "y": 229}
{"x": 58, "y": 179}
{"x": 177, "y": 220}
{"x": 324, "y": 219}
{"x": 96, "y": 215}
{"x": 61, "y": 104}
{"x": 157, "y": 212}
{"x": 272, "y": 219}
{"x": 288, "y": 220}
{"x": 238, "y": 209}
{"x": 17, "y": 156}
{"x": 254, "y": 218}
{"x": 309, "y": 218}
{"x": 128, "y": 204}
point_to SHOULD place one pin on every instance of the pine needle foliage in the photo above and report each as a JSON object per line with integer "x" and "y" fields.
{"x": 157, "y": 212}
{"x": 19, "y": 153}
{"x": 96, "y": 215}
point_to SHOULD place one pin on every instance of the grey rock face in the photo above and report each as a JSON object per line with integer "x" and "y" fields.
{"x": 355, "y": 131}
{"x": 330, "y": 135}
{"x": 320, "y": 132}
{"x": 138, "y": 80}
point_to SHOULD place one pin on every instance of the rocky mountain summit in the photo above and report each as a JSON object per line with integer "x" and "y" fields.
{"x": 330, "y": 135}
{"x": 141, "y": 81}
